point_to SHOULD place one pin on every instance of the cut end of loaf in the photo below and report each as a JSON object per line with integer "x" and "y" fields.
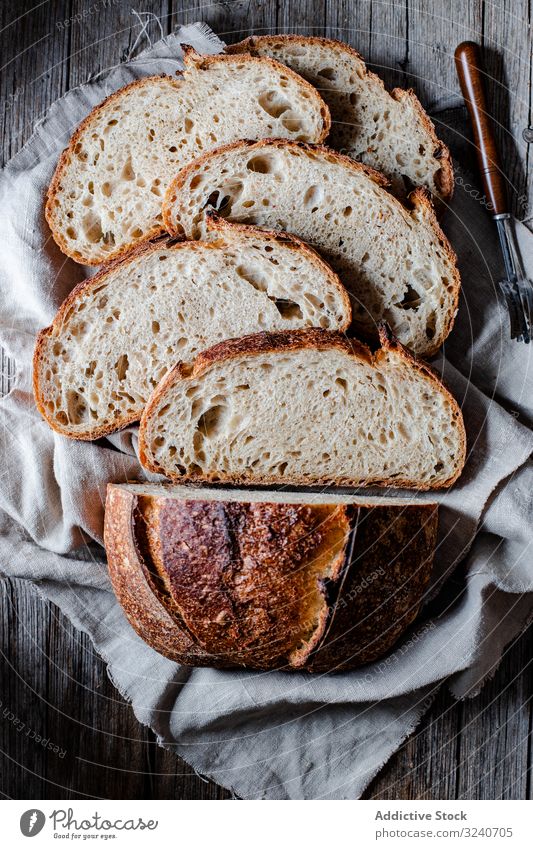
{"x": 268, "y": 581}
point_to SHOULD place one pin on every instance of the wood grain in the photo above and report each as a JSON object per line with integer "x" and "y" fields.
{"x": 51, "y": 678}
{"x": 471, "y": 78}
{"x": 507, "y": 56}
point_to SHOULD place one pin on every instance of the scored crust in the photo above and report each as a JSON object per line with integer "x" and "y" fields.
{"x": 418, "y": 204}
{"x": 446, "y": 181}
{"x": 297, "y": 340}
{"x": 254, "y": 611}
{"x": 191, "y": 59}
{"x": 216, "y": 226}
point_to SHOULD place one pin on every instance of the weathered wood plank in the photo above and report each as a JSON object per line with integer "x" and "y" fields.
{"x": 232, "y": 20}
{"x": 434, "y": 31}
{"x": 508, "y": 53}
{"x": 302, "y": 18}
{"x": 388, "y": 52}
{"x": 54, "y": 685}
{"x": 105, "y": 36}
{"x": 33, "y": 72}
{"x": 350, "y": 22}
{"x": 495, "y": 730}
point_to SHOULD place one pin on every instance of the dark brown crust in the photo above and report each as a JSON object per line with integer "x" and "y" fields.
{"x": 215, "y": 224}
{"x": 386, "y": 575}
{"x": 292, "y": 340}
{"x": 419, "y": 203}
{"x": 190, "y": 58}
{"x": 446, "y": 182}
{"x": 238, "y": 574}
{"x": 128, "y": 576}
{"x": 241, "y": 573}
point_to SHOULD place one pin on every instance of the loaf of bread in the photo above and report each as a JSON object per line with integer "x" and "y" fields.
{"x": 304, "y": 407}
{"x": 119, "y": 332}
{"x": 106, "y": 193}
{"x": 390, "y": 132}
{"x": 395, "y": 262}
{"x": 267, "y": 580}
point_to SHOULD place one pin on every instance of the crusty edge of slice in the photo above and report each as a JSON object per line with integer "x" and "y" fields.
{"x": 420, "y": 199}
{"x": 215, "y": 224}
{"x": 398, "y": 94}
{"x": 296, "y": 340}
{"x": 190, "y": 57}
{"x": 64, "y": 161}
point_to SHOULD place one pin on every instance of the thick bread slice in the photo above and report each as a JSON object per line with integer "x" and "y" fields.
{"x": 119, "y": 332}
{"x": 390, "y": 132}
{"x": 106, "y": 193}
{"x": 304, "y": 407}
{"x": 267, "y": 580}
{"x": 396, "y": 263}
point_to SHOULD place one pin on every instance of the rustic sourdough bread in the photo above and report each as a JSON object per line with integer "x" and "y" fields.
{"x": 106, "y": 193}
{"x": 304, "y": 407}
{"x": 395, "y": 262}
{"x": 267, "y": 580}
{"x": 390, "y": 132}
{"x": 119, "y": 332}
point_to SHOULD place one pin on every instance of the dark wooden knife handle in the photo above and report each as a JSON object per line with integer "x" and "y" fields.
{"x": 469, "y": 69}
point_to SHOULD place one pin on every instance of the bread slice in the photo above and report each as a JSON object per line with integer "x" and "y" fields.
{"x": 304, "y": 408}
{"x": 396, "y": 263}
{"x": 389, "y": 131}
{"x": 119, "y": 332}
{"x": 267, "y": 580}
{"x": 106, "y": 193}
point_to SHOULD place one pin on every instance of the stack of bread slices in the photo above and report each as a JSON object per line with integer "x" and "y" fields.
{"x": 273, "y": 276}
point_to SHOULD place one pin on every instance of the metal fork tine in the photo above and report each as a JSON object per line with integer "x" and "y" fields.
{"x": 514, "y": 309}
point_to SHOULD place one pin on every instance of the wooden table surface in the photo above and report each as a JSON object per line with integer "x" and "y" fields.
{"x": 51, "y": 679}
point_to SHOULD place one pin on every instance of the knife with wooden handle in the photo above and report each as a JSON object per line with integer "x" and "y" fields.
{"x": 517, "y": 289}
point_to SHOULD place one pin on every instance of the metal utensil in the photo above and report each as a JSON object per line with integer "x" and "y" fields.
{"x": 516, "y": 288}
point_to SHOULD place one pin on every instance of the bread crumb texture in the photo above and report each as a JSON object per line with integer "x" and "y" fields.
{"x": 118, "y": 334}
{"x": 395, "y": 262}
{"x": 302, "y": 408}
{"x": 107, "y": 191}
